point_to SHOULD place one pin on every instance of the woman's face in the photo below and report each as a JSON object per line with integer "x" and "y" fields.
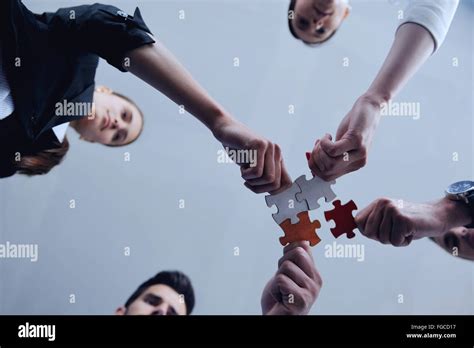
{"x": 315, "y": 21}
{"x": 114, "y": 121}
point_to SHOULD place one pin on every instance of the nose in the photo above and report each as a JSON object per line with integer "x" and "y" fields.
{"x": 115, "y": 124}
{"x": 318, "y": 22}
{"x": 160, "y": 310}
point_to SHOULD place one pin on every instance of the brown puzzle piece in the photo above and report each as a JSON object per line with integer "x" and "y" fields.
{"x": 303, "y": 230}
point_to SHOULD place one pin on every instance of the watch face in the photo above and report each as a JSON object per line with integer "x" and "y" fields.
{"x": 461, "y": 187}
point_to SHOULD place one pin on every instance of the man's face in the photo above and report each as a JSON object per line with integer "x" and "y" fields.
{"x": 459, "y": 240}
{"x": 316, "y": 20}
{"x": 156, "y": 300}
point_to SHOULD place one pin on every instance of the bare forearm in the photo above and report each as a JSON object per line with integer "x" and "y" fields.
{"x": 457, "y": 214}
{"x": 413, "y": 45}
{"x": 158, "y": 67}
{"x": 452, "y": 214}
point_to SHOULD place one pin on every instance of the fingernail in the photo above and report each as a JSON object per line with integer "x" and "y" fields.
{"x": 308, "y": 155}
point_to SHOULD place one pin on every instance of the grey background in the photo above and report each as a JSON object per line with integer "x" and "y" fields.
{"x": 135, "y": 204}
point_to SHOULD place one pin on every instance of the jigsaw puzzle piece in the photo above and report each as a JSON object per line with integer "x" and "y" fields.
{"x": 288, "y": 206}
{"x": 342, "y": 217}
{"x": 313, "y": 190}
{"x": 303, "y": 230}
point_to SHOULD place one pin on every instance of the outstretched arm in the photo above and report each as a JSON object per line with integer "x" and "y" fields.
{"x": 158, "y": 67}
{"x": 423, "y": 32}
{"x": 398, "y": 223}
{"x": 115, "y": 36}
{"x": 155, "y": 65}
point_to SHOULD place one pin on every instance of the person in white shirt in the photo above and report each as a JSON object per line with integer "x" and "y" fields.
{"x": 425, "y": 25}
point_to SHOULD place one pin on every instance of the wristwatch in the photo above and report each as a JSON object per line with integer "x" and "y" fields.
{"x": 463, "y": 191}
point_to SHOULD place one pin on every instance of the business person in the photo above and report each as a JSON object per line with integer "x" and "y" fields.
{"x": 291, "y": 291}
{"x": 166, "y": 293}
{"x": 448, "y": 221}
{"x": 422, "y": 32}
{"x": 52, "y": 58}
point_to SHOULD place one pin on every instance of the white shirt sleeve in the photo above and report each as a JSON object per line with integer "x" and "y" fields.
{"x": 434, "y": 15}
{"x": 6, "y": 100}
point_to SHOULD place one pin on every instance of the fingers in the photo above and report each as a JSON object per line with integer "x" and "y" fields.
{"x": 296, "y": 274}
{"x": 330, "y": 160}
{"x": 385, "y": 222}
{"x": 256, "y": 171}
{"x": 338, "y": 148}
{"x": 274, "y": 176}
{"x": 373, "y": 221}
{"x": 300, "y": 256}
{"x": 362, "y": 217}
{"x": 285, "y": 181}
{"x": 283, "y": 287}
{"x": 266, "y": 173}
{"x": 328, "y": 167}
{"x": 299, "y": 278}
{"x": 399, "y": 229}
{"x": 385, "y": 230}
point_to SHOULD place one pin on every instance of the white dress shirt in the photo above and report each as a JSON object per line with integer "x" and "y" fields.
{"x": 6, "y": 100}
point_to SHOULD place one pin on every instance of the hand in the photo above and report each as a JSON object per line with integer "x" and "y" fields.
{"x": 330, "y": 160}
{"x": 398, "y": 224}
{"x": 264, "y": 171}
{"x": 296, "y": 285}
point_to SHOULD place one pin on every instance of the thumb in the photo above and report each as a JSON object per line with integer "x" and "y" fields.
{"x": 337, "y": 148}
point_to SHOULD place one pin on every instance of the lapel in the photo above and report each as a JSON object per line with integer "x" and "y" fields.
{"x": 18, "y": 62}
{"x": 84, "y": 98}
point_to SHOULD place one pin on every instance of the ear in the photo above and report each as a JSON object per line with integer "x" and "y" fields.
{"x": 103, "y": 89}
{"x": 347, "y": 11}
{"x": 120, "y": 311}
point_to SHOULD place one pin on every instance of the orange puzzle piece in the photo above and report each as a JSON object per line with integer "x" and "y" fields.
{"x": 303, "y": 230}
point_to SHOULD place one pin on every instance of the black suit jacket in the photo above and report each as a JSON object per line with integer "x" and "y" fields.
{"x": 52, "y": 58}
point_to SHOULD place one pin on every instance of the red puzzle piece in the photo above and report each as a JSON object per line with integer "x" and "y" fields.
{"x": 342, "y": 216}
{"x": 303, "y": 230}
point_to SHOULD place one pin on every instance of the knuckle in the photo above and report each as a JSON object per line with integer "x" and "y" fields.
{"x": 285, "y": 266}
{"x": 269, "y": 177}
{"x": 277, "y": 148}
{"x": 260, "y": 144}
{"x": 280, "y": 279}
{"x": 384, "y": 201}
{"x": 300, "y": 251}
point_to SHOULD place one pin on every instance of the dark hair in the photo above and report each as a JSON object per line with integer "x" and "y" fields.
{"x": 43, "y": 161}
{"x": 139, "y": 111}
{"x": 292, "y": 31}
{"x": 176, "y": 280}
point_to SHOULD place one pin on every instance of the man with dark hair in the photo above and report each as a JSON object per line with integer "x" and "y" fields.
{"x": 292, "y": 290}
{"x": 167, "y": 293}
